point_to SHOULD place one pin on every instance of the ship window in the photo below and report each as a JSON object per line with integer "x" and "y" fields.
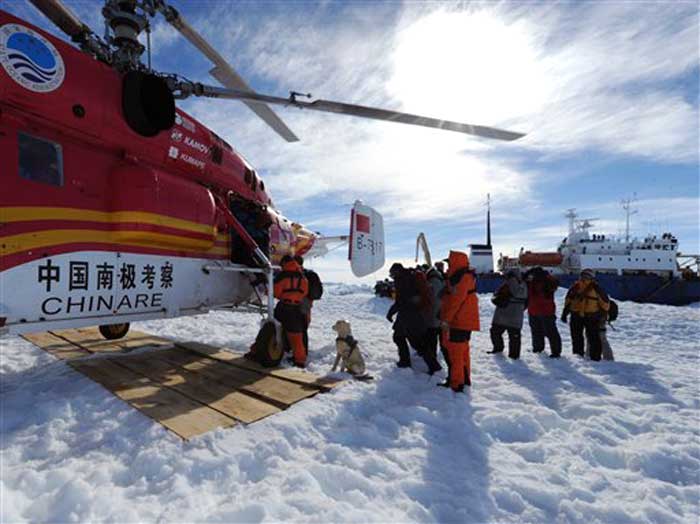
{"x": 248, "y": 177}
{"x": 659, "y": 260}
{"x": 40, "y": 160}
{"x": 610, "y": 258}
{"x": 629, "y": 260}
{"x": 600, "y": 258}
{"x": 262, "y": 186}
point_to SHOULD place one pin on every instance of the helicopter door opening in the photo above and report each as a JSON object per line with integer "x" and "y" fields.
{"x": 256, "y": 221}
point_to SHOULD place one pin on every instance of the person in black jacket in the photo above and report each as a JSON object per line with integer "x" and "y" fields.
{"x": 410, "y": 325}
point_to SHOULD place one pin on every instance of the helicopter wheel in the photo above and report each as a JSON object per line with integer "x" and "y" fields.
{"x": 266, "y": 351}
{"x": 114, "y": 331}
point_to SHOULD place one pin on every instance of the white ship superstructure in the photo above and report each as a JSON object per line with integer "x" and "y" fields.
{"x": 608, "y": 254}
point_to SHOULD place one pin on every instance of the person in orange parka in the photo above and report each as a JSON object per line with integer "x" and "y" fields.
{"x": 291, "y": 288}
{"x": 459, "y": 315}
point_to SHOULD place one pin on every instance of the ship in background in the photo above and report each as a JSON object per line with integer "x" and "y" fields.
{"x": 649, "y": 270}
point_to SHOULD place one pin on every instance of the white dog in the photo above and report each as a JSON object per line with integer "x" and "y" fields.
{"x": 348, "y": 351}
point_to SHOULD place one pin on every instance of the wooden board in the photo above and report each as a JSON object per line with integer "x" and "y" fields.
{"x": 180, "y": 414}
{"x": 225, "y": 399}
{"x": 91, "y": 340}
{"x": 282, "y": 393}
{"x": 58, "y": 347}
{"x": 237, "y": 359}
{"x": 189, "y": 388}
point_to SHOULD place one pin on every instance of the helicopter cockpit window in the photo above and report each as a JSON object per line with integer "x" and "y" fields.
{"x": 40, "y": 160}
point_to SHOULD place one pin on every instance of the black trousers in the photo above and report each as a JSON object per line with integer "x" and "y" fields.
{"x": 591, "y": 326}
{"x": 513, "y": 340}
{"x": 419, "y": 344}
{"x": 430, "y": 345}
{"x": 542, "y": 326}
{"x": 434, "y": 340}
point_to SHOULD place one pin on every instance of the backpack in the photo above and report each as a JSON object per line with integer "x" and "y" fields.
{"x": 315, "y": 285}
{"x": 550, "y": 285}
{"x": 501, "y": 298}
{"x": 426, "y": 296}
{"x": 265, "y": 350}
{"x": 613, "y": 312}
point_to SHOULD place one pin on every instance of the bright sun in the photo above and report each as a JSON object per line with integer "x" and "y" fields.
{"x": 468, "y": 66}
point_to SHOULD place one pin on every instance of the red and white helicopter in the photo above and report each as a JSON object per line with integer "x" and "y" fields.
{"x": 116, "y": 206}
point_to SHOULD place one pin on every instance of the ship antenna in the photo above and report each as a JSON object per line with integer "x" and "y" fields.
{"x": 627, "y": 206}
{"x": 571, "y": 215}
{"x": 488, "y": 219}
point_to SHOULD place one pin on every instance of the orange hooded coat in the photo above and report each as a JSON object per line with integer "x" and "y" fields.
{"x": 460, "y": 304}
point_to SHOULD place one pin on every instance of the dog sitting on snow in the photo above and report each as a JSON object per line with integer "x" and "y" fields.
{"x": 348, "y": 351}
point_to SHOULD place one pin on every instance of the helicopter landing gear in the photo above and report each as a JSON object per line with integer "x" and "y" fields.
{"x": 114, "y": 331}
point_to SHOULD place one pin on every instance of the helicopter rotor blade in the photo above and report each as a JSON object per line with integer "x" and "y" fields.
{"x": 224, "y": 73}
{"x": 230, "y": 78}
{"x": 327, "y": 106}
{"x": 407, "y": 118}
{"x": 61, "y": 16}
{"x": 67, "y": 21}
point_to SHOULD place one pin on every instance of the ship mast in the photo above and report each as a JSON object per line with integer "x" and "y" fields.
{"x": 627, "y": 206}
{"x": 488, "y": 219}
{"x": 572, "y": 216}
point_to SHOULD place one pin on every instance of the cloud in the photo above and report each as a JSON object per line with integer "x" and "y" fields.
{"x": 577, "y": 78}
{"x": 594, "y": 76}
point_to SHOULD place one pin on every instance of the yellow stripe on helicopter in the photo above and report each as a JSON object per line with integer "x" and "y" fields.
{"x": 41, "y": 239}
{"x": 29, "y": 214}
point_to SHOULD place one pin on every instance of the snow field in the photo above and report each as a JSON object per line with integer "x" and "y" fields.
{"x": 535, "y": 440}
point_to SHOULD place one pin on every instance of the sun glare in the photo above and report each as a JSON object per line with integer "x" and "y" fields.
{"x": 469, "y": 66}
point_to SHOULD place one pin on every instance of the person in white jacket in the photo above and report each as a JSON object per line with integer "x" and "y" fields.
{"x": 510, "y": 301}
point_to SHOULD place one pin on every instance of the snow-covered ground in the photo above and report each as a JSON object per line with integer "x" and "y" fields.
{"x": 535, "y": 440}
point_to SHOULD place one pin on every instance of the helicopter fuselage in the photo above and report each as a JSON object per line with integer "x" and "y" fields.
{"x": 99, "y": 225}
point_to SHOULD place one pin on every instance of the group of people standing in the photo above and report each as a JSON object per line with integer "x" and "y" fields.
{"x": 434, "y": 308}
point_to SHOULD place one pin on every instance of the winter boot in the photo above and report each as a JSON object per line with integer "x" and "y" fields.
{"x": 434, "y": 369}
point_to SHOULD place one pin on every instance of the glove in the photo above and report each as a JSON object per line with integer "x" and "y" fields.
{"x": 390, "y": 317}
{"x": 444, "y": 325}
{"x": 564, "y": 316}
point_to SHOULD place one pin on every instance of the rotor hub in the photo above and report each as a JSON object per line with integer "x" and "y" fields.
{"x": 126, "y": 24}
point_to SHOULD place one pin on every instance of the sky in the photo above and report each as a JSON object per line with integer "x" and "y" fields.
{"x": 607, "y": 93}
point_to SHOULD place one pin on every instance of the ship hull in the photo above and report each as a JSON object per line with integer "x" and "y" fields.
{"x": 651, "y": 289}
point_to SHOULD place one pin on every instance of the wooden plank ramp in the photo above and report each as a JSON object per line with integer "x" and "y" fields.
{"x": 188, "y": 387}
